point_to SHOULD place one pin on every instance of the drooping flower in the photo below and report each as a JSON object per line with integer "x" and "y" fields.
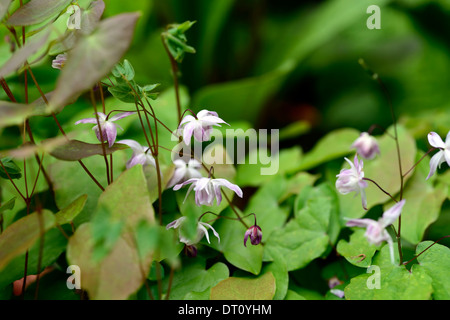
{"x": 201, "y": 231}
{"x": 366, "y": 146}
{"x": 59, "y": 61}
{"x": 141, "y": 155}
{"x": 185, "y": 171}
{"x": 108, "y": 127}
{"x": 208, "y": 189}
{"x": 255, "y": 234}
{"x": 200, "y": 126}
{"x": 352, "y": 180}
{"x": 444, "y": 153}
{"x": 376, "y": 231}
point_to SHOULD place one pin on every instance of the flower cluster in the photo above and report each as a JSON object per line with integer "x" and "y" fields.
{"x": 353, "y": 180}
{"x": 208, "y": 190}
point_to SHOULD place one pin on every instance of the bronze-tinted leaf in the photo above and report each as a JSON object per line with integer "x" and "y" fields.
{"x": 37, "y": 11}
{"x": 76, "y": 150}
{"x": 93, "y": 57}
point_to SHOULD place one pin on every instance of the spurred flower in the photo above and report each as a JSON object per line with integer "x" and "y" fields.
{"x": 185, "y": 171}
{"x": 208, "y": 189}
{"x": 376, "y": 231}
{"x": 255, "y": 234}
{"x": 444, "y": 151}
{"x": 366, "y": 146}
{"x": 352, "y": 180}
{"x": 59, "y": 61}
{"x": 200, "y": 126}
{"x": 201, "y": 231}
{"x": 141, "y": 155}
{"x": 108, "y": 127}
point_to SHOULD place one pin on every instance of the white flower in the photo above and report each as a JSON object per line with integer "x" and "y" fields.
{"x": 201, "y": 231}
{"x": 200, "y": 126}
{"x": 366, "y": 145}
{"x": 443, "y": 154}
{"x": 352, "y": 180}
{"x": 108, "y": 127}
{"x": 185, "y": 171}
{"x": 208, "y": 189}
{"x": 376, "y": 231}
{"x": 141, "y": 155}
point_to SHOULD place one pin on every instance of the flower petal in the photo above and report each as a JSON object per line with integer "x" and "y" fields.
{"x": 176, "y": 223}
{"x": 230, "y": 186}
{"x": 435, "y": 140}
{"x": 359, "y": 222}
{"x": 436, "y": 161}
{"x": 121, "y": 115}
{"x": 111, "y": 133}
{"x": 134, "y": 145}
{"x": 87, "y": 120}
{"x": 213, "y": 230}
{"x": 393, "y": 213}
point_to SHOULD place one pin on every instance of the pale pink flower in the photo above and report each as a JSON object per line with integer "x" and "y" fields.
{"x": 199, "y": 126}
{"x": 444, "y": 153}
{"x": 366, "y": 146}
{"x": 352, "y": 180}
{"x": 108, "y": 127}
{"x": 208, "y": 189}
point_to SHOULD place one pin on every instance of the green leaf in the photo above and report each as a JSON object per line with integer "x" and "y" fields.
{"x": 306, "y": 237}
{"x": 285, "y": 162}
{"x": 193, "y": 278}
{"x": 265, "y": 204}
{"x": 334, "y": 145}
{"x": 421, "y": 196}
{"x": 124, "y": 70}
{"x": 261, "y": 288}
{"x": 54, "y": 245}
{"x": 395, "y": 282}
{"x": 22, "y": 234}
{"x": 8, "y": 205}
{"x": 93, "y": 57}
{"x": 279, "y": 270}
{"x": 69, "y": 213}
{"x": 11, "y": 168}
{"x": 76, "y": 150}
{"x": 37, "y": 11}
{"x": 176, "y": 41}
{"x": 435, "y": 262}
{"x": 232, "y": 244}
{"x": 358, "y": 251}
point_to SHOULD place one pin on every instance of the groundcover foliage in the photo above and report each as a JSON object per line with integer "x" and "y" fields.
{"x": 135, "y": 163}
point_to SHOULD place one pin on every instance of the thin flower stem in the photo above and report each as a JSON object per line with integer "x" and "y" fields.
{"x": 416, "y": 164}
{"x": 169, "y": 287}
{"x": 41, "y": 251}
{"x": 384, "y": 191}
{"x": 376, "y": 126}
{"x": 174, "y": 66}
{"x": 376, "y": 77}
{"x": 440, "y": 239}
{"x": 12, "y": 182}
{"x": 61, "y": 129}
{"x": 94, "y": 104}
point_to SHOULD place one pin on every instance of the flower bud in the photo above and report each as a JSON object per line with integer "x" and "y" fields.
{"x": 255, "y": 235}
{"x": 190, "y": 251}
{"x": 367, "y": 146}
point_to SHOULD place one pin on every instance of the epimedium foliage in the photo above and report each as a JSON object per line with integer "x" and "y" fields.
{"x": 144, "y": 219}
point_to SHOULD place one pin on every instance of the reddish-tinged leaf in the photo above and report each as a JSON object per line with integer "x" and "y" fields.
{"x": 93, "y": 57}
